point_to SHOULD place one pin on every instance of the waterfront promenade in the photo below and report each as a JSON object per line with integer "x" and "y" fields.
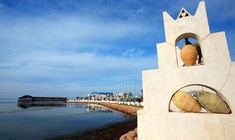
{"x": 115, "y": 131}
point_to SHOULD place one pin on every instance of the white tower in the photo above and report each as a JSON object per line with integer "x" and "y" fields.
{"x": 159, "y": 118}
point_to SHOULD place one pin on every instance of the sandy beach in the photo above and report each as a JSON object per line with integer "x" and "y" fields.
{"x": 113, "y": 131}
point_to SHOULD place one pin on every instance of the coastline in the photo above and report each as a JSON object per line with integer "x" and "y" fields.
{"x": 113, "y": 131}
{"x": 126, "y": 109}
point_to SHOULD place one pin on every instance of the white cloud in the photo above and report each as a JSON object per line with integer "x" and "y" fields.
{"x": 65, "y": 31}
{"x": 94, "y": 46}
{"x": 85, "y": 70}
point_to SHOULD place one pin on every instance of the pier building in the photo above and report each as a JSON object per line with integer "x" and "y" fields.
{"x": 28, "y": 101}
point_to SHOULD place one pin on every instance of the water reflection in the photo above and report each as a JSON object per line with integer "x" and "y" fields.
{"x": 89, "y": 107}
{"x": 98, "y": 108}
{"x": 33, "y": 104}
{"x": 37, "y": 123}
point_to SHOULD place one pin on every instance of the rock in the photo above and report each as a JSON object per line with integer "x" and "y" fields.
{"x": 131, "y": 135}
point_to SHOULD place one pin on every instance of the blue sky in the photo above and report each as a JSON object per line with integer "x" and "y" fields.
{"x": 74, "y": 47}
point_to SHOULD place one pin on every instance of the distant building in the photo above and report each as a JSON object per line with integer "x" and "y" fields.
{"x": 100, "y": 96}
{"x": 109, "y": 96}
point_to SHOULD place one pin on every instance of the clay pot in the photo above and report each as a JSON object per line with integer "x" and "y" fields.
{"x": 189, "y": 55}
{"x": 186, "y": 102}
{"x": 212, "y": 102}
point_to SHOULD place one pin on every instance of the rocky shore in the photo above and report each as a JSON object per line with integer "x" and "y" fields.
{"x": 126, "y": 130}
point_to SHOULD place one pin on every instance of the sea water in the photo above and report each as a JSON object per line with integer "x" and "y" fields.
{"x": 41, "y": 122}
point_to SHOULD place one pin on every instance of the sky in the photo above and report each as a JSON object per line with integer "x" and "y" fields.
{"x": 70, "y": 48}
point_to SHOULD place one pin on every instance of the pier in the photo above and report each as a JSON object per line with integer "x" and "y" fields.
{"x": 29, "y": 101}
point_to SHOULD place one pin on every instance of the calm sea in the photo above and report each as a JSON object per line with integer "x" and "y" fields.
{"x": 36, "y": 123}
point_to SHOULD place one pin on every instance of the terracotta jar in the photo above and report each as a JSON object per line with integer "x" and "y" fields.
{"x": 189, "y": 55}
{"x": 212, "y": 102}
{"x": 186, "y": 102}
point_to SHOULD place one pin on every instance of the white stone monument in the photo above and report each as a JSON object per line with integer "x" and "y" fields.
{"x": 160, "y": 119}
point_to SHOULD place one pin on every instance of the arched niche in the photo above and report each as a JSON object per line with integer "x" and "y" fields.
{"x": 195, "y": 88}
{"x": 188, "y": 39}
{"x": 187, "y": 35}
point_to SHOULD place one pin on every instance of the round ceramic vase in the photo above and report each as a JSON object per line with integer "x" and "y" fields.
{"x": 188, "y": 55}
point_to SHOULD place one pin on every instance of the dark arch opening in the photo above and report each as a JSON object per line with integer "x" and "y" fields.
{"x": 186, "y": 39}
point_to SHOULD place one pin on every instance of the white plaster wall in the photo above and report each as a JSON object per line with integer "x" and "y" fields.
{"x": 174, "y": 28}
{"x": 185, "y": 126}
{"x": 228, "y": 89}
{"x": 160, "y": 85}
{"x": 215, "y": 49}
{"x": 218, "y": 72}
{"x": 166, "y": 55}
{"x": 156, "y": 122}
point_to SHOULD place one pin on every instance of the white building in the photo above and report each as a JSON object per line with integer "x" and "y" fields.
{"x": 100, "y": 96}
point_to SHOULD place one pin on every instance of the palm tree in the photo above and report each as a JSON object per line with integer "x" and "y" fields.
{"x": 78, "y": 98}
{"x": 130, "y": 95}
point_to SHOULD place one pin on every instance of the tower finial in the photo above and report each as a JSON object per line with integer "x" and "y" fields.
{"x": 183, "y": 13}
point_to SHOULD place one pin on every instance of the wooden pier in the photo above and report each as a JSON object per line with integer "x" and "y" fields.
{"x": 29, "y": 101}
{"x": 28, "y": 98}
